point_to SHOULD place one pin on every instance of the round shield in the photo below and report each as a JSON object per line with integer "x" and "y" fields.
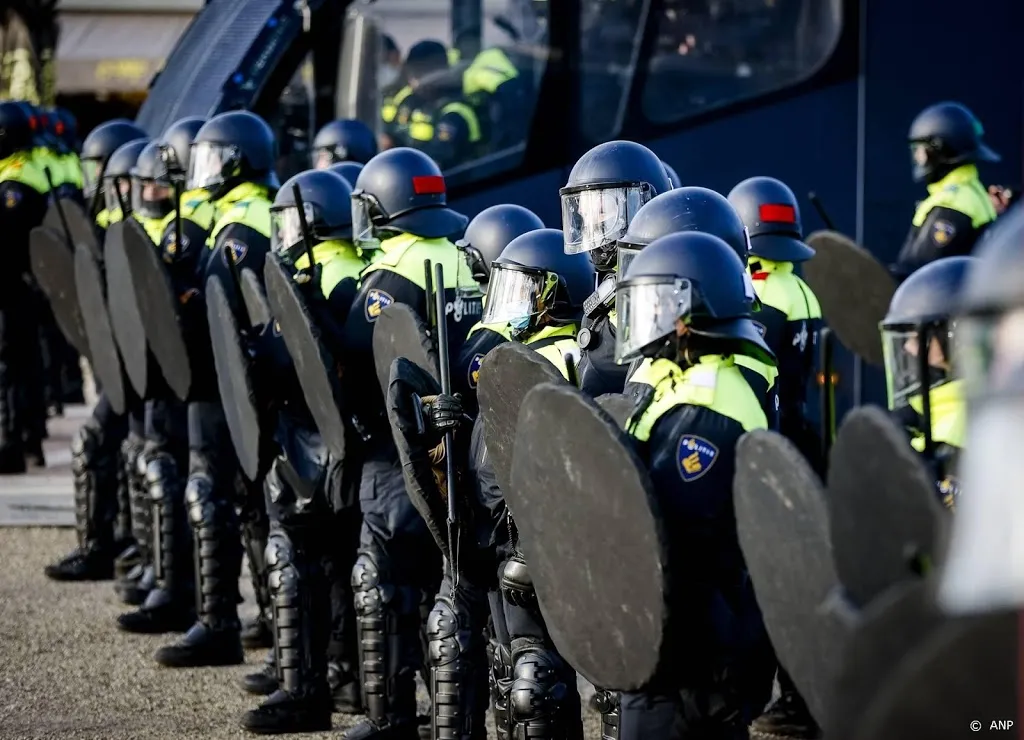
{"x": 618, "y": 406}
{"x": 158, "y": 309}
{"x": 124, "y": 314}
{"x": 400, "y": 332}
{"x": 81, "y": 227}
{"x": 255, "y": 298}
{"x": 106, "y": 362}
{"x": 854, "y": 291}
{"x": 315, "y": 367}
{"x": 53, "y": 266}
{"x": 234, "y": 380}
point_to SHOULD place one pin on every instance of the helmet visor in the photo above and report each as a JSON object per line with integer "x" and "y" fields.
{"x": 151, "y": 198}
{"x": 902, "y": 347}
{"x": 364, "y": 207}
{"x": 211, "y": 164}
{"x": 646, "y": 312}
{"x": 92, "y": 170}
{"x": 626, "y": 256}
{"x": 596, "y": 218}
{"x": 513, "y": 295}
{"x": 990, "y": 353}
{"x": 286, "y": 236}
{"x": 117, "y": 193}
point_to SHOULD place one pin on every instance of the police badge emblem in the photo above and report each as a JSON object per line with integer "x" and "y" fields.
{"x": 943, "y": 232}
{"x": 237, "y": 249}
{"x": 474, "y": 370}
{"x": 376, "y": 301}
{"x": 696, "y": 455}
{"x": 12, "y": 196}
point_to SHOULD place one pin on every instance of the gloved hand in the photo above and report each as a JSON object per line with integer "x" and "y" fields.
{"x": 443, "y": 413}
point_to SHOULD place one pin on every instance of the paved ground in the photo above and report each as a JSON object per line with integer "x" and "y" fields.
{"x": 65, "y": 670}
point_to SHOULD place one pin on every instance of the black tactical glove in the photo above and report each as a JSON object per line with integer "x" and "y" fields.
{"x": 443, "y": 413}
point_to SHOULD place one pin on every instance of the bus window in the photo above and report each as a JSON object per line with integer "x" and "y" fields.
{"x": 464, "y": 95}
{"x": 291, "y": 119}
{"x": 709, "y": 53}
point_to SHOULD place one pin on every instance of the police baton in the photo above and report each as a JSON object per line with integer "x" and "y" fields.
{"x": 826, "y": 381}
{"x": 820, "y": 208}
{"x": 307, "y": 235}
{"x": 449, "y": 436}
{"x": 60, "y": 208}
{"x": 428, "y": 287}
{"x": 177, "y": 177}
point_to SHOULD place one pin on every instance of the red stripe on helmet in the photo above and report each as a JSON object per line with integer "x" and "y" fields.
{"x": 778, "y": 213}
{"x": 759, "y": 276}
{"x": 428, "y": 185}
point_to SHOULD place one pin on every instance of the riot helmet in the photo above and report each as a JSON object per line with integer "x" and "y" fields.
{"x": 673, "y": 176}
{"x": 984, "y": 570}
{"x": 685, "y": 295}
{"x": 534, "y": 282}
{"x": 424, "y": 59}
{"x": 39, "y": 121}
{"x": 117, "y": 176}
{"x": 231, "y": 149}
{"x": 771, "y": 214}
{"x": 65, "y": 128}
{"x": 343, "y": 141}
{"x": 943, "y": 137}
{"x": 326, "y": 198}
{"x": 918, "y": 332}
{"x": 152, "y": 195}
{"x": 176, "y": 144}
{"x": 349, "y": 170}
{"x": 683, "y": 209}
{"x": 101, "y": 142}
{"x": 399, "y": 191}
{"x": 15, "y": 129}
{"x": 490, "y": 232}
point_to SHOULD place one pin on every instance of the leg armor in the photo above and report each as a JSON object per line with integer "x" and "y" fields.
{"x": 255, "y": 530}
{"x": 94, "y": 465}
{"x": 541, "y": 684}
{"x": 501, "y": 686}
{"x": 457, "y": 659}
{"x": 217, "y": 552}
{"x": 607, "y": 703}
{"x": 170, "y": 531}
{"x": 131, "y": 450}
{"x": 387, "y": 619}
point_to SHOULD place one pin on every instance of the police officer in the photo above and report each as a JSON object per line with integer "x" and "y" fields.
{"x": 791, "y": 318}
{"x": 790, "y": 313}
{"x": 315, "y": 523}
{"x": 946, "y": 146}
{"x": 684, "y": 303}
{"x": 101, "y": 142}
{"x": 918, "y": 336}
{"x": 343, "y": 141}
{"x": 232, "y": 158}
{"x": 348, "y": 170}
{"x": 23, "y": 201}
{"x": 486, "y": 237}
{"x": 96, "y": 460}
{"x": 64, "y": 129}
{"x": 606, "y": 188}
{"x": 152, "y": 198}
{"x": 117, "y": 180}
{"x": 399, "y": 210}
{"x": 423, "y": 60}
{"x": 532, "y": 687}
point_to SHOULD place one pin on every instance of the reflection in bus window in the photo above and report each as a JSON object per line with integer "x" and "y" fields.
{"x": 461, "y": 94}
{"x": 292, "y": 119}
{"x": 709, "y": 53}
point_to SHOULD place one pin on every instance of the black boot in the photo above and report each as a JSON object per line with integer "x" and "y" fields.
{"x": 34, "y": 455}
{"x": 94, "y": 471}
{"x": 215, "y": 640}
{"x": 167, "y": 607}
{"x": 343, "y": 680}
{"x": 786, "y": 717}
{"x": 501, "y": 685}
{"x": 302, "y": 622}
{"x": 266, "y": 680}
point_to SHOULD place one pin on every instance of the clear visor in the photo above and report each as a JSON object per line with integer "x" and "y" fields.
{"x": 323, "y": 158}
{"x": 626, "y": 255}
{"x": 902, "y": 350}
{"x": 211, "y": 164}
{"x": 92, "y": 169}
{"x": 513, "y": 295}
{"x": 363, "y": 235}
{"x": 647, "y": 312}
{"x": 286, "y": 227}
{"x": 990, "y": 353}
{"x": 117, "y": 192}
{"x": 592, "y": 219}
{"x": 151, "y": 197}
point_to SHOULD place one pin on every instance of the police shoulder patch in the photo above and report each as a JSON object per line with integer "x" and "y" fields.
{"x": 696, "y": 456}
{"x": 237, "y": 249}
{"x": 949, "y": 490}
{"x": 376, "y": 301}
{"x": 942, "y": 232}
{"x": 474, "y": 370}
{"x": 12, "y": 197}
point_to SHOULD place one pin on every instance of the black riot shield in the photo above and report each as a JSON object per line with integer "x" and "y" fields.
{"x": 238, "y": 392}
{"x": 961, "y": 680}
{"x": 409, "y": 380}
{"x": 887, "y": 630}
{"x": 618, "y": 406}
{"x": 81, "y": 227}
{"x": 854, "y": 291}
{"x": 886, "y": 519}
{"x": 254, "y": 298}
{"x": 315, "y": 367}
{"x": 783, "y": 531}
{"x": 52, "y": 220}
{"x": 158, "y": 307}
{"x": 105, "y": 360}
{"x": 400, "y": 332}
{"x": 590, "y": 528}
{"x": 53, "y": 266}
{"x": 125, "y": 319}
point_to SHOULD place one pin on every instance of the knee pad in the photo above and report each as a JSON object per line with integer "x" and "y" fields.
{"x": 85, "y": 448}
{"x": 282, "y": 574}
{"x": 517, "y": 585}
{"x": 538, "y": 685}
{"x": 448, "y": 633}
{"x": 161, "y": 476}
{"x": 367, "y": 590}
{"x": 199, "y": 499}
